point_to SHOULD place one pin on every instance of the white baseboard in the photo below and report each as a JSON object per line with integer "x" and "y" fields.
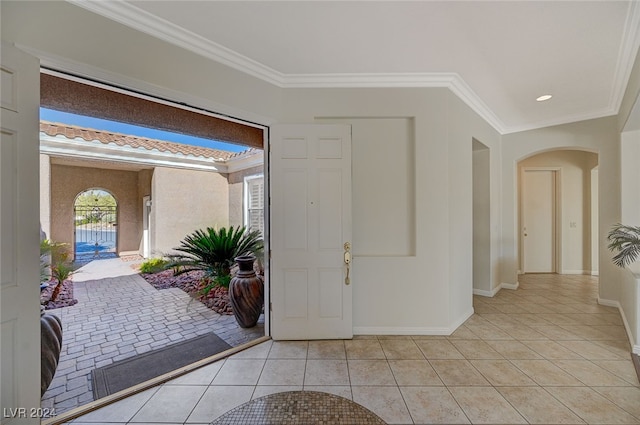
{"x": 512, "y": 286}
{"x": 495, "y": 290}
{"x": 399, "y": 330}
{"x": 484, "y": 293}
{"x": 587, "y": 272}
{"x": 403, "y": 330}
{"x": 616, "y": 304}
{"x": 595, "y": 273}
{"x": 610, "y": 303}
{"x": 460, "y": 321}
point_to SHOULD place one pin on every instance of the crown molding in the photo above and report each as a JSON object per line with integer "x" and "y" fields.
{"x": 436, "y": 79}
{"x": 134, "y": 17}
{"x": 567, "y": 119}
{"x": 626, "y": 56}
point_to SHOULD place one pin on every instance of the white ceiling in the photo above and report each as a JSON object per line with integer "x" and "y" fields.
{"x": 498, "y": 56}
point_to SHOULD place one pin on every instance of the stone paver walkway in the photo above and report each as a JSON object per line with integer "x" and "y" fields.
{"x": 119, "y": 315}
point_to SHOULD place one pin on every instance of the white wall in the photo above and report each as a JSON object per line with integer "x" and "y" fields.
{"x": 423, "y": 283}
{"x": 383, "y": 163}
{"x": 600, "y": 136}
{"x": 630, "y": 188}
{"x": 595, "y": 241}
{"x": 429, "y": 291}
{"x": 426, "y": 292}
{"x": 630, "y": 215}
{"x": 629, "y": 305}
{"x": 629, "y": 123}
{"x": 464, "y": 127}
{"x": 574, "y": 205}
{"x": 482, "y": 283}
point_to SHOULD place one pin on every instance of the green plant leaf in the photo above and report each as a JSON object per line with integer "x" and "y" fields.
{"x": 625, "y": 240}
{"x": 154, "y": 265}
{"x": 213, "y": 251}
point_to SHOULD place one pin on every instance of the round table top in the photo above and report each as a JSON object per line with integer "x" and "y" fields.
{"x": 299, "y": 407}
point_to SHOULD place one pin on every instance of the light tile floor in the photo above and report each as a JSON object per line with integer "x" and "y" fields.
{"x": 545, "y": 353}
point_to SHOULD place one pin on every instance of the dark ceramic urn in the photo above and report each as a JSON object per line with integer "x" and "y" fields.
{"x": 246, "y": 292}
{"x": 50, "y": 347}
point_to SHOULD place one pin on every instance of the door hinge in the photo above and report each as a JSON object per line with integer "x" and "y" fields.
{"x": 270, "y": 306}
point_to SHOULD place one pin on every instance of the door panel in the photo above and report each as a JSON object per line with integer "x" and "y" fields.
{"x": 330, "y": 209}
{"x": 19, "y": 235}
{"x": 539, "y": 221}
{"x": 294, "y": 196}
{"x": 310, "y": 187}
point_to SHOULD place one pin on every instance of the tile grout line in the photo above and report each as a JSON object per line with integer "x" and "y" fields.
{"x": 398, "y": 386}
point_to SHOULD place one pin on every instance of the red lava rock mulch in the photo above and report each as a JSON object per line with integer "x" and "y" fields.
{"x": 192, "y": 283}
{"x": 65, "y": 297}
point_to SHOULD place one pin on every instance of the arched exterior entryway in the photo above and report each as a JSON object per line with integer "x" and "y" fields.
{"x": 95, "y": 215}
{"x": 67, "y": 179}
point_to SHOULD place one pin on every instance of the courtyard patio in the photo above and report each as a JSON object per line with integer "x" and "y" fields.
{"x": 119, "y": 315}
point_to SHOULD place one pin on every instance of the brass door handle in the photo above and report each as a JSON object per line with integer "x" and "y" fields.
{"x": 347, "y": 261}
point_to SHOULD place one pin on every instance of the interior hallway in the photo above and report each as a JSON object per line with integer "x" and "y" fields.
{"x": 545, "y": 353}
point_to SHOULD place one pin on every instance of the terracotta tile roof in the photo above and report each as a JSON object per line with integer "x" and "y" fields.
{"x": 91, "y": 135}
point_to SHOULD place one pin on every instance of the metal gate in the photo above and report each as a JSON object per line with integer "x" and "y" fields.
{"x": 95, "y": 232}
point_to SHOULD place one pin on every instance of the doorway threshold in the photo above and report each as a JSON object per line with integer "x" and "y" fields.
{"x": 105, "y": 401}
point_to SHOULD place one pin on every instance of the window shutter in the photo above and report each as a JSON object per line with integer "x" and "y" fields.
{"x": 255, "y": 207}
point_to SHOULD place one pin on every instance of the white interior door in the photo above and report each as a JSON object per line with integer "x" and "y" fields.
{"x": 539, "y": 221}
{"x": 310, "y": 186}
{"x": 19, "y": 236}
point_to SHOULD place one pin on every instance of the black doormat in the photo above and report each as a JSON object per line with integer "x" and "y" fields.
{"x": 129, "y": 372}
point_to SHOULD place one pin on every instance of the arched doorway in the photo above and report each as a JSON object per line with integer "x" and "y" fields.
{"x": 95, "y": 225}
{"x": 557, "y": 225}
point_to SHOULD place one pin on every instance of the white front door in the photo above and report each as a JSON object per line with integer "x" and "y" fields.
{"x": 310, "y": 186}
{"x": 539, "y": 221}
{"x": 19, "y": 236}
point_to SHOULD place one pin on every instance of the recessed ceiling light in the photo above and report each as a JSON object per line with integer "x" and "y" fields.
{"x": 544, "y": 97}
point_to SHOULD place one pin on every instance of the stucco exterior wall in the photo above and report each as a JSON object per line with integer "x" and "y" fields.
{"x": 236, "y": 194}
{"x": 184, "y": 201}
{"x": 45, "y": 194}
{"x": 67, "y": 182}
{"x": 144, "y": 189}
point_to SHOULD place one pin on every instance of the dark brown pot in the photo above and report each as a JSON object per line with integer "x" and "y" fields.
{"x": 50, "y": 347}
{"x": 246, "y": 293}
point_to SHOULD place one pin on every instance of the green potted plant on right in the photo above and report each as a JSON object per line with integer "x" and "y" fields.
{"x": 625, "y": 240}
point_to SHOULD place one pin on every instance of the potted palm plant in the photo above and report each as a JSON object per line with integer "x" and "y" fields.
{"x": 214, "y": 252}
{"x": 625, "y": 240}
